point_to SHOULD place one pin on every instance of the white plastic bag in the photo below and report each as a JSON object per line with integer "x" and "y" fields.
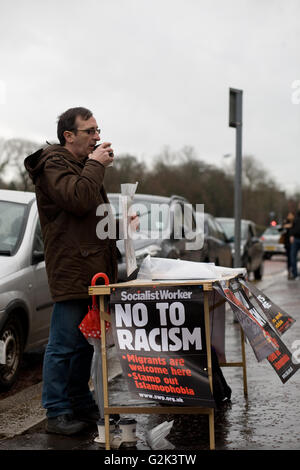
{"x": 169, "y": 269}
{"x": 156, "y": 436}
{"x": 223, "y": 271}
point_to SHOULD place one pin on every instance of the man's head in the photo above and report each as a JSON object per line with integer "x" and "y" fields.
{"x": 77, "y": 130}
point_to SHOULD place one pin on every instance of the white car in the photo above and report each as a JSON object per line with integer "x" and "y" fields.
{"x": 25, "y": 300}
{"x": 271, "y": 243}
{"x": 252, "y": 252}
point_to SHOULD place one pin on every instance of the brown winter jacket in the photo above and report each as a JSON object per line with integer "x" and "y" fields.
{"x": 68, "y": 192}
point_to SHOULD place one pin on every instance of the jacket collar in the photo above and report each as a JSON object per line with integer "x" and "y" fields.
{"x": 61, "y": 150}
{"x": 73, "y": 157}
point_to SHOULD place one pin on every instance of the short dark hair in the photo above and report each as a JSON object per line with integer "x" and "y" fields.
{"x": 66, "y": 121}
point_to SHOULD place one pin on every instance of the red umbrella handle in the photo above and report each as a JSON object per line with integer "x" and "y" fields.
{"x": 103, "y": 275}
{"x": 94, "y": 279}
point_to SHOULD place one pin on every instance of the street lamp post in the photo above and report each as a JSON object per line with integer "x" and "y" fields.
{"x": 235, "y": 120}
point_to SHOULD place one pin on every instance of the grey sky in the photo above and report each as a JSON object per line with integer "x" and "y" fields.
{"x": 157, "y": 73}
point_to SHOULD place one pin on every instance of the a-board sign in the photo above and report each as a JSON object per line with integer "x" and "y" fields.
{"x": 159, "y": 334}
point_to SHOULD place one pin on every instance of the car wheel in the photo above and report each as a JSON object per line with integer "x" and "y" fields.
{"x": 13, "y": 339}
{"x": 258, "y": 273}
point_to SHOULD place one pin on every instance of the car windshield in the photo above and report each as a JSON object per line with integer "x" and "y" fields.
{"x": 153, "y": 217}
{"x": 11, "y": 222}
{"x": 228, "y": 227}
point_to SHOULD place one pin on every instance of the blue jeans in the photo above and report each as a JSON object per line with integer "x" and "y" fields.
{"x": 67, "y": 361}
{"x": 294, "y": 252}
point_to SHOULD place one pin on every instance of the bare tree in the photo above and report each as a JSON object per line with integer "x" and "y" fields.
{"x": 3, "y": 159}
{"x": 172, "y": 172}
{"x": 13, "y": 153}
{"x": 126, "y": 169}
{"x": 253, "y": 173}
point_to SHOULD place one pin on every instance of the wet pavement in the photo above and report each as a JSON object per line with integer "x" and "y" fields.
{"x": 269, "y": 419}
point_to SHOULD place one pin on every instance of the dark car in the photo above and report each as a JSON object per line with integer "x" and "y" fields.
{"x": 165, "y": 236}
{"x": 217, "y": 248}
{"x": 252, "y": 250}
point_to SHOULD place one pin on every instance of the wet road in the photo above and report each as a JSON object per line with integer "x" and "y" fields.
{"x": 268, "y": 419}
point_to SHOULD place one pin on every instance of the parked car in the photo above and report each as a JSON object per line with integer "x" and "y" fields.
{"x": 270, "y": 239}
{"x": 156, "y": 242}
{"x": 25, "y": 300}
{"x": 217, "y": 247}
{"x": 252, "y": 251}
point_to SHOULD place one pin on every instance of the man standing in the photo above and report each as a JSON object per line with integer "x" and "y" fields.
{"x": 295, "y": 243}
{"x": 68, "y": 180}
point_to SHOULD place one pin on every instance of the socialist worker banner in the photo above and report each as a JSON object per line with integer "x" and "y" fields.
{"x": 159, "y": 334}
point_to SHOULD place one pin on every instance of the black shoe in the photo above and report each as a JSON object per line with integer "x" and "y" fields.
{"x": 64, "y": 424}
{"x": 92, "y": 415}
{"x": 87, "y": 415}
{"x": 115, "y": 418}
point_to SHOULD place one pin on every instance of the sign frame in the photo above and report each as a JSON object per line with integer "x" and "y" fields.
{"x": 207, "y": 287}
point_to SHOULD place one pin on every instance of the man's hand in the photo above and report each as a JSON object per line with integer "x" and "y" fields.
{"x": 134, "y": 222}
{"x": 104, "y": 154}
{"x": 292, "y": 239}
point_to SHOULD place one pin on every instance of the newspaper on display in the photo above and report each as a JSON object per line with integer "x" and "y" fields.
{"x": 127, "y": 196}
{"x": 262, "y": 328}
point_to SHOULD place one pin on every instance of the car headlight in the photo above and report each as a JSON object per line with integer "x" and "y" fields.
{"x": 152, "y": 250}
